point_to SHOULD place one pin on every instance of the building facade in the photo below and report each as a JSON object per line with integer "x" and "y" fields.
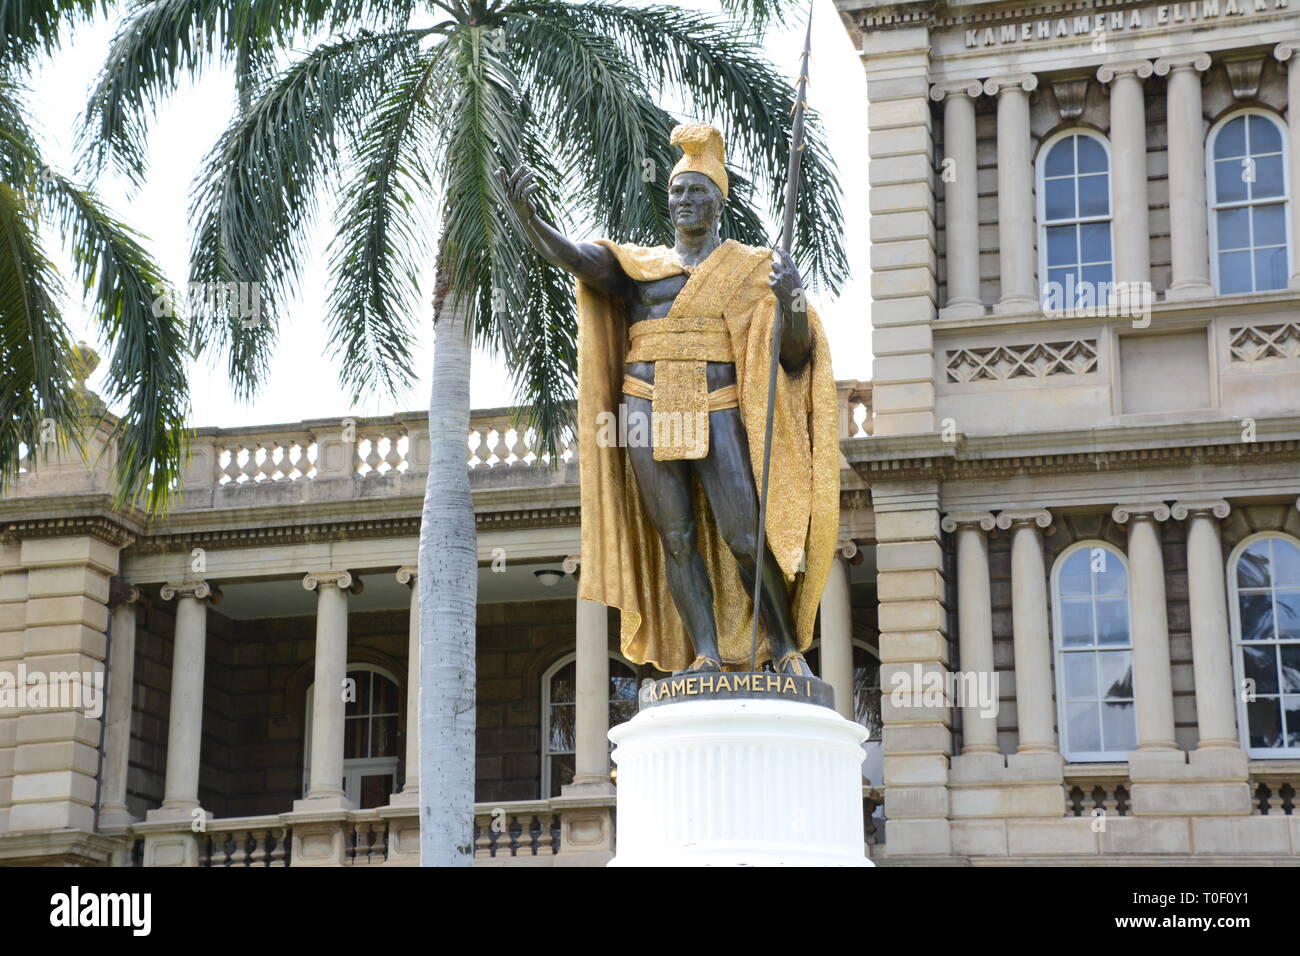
{"x": 1066, "y": 601}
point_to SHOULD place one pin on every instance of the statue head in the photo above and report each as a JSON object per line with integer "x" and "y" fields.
{"x": 697, "y": 186}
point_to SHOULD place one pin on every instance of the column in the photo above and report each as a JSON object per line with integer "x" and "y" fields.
{"x": 1284, "y": 52}
{"x": 1188, "y": 237}
{"x": 410, "y": 792}
{"x": 1153, "y": 692}
{"x": 974, "y": 623}
{"x": 1131, "y": 234}
{"x": 959, "y": 172}
{"x": 1015, "y": 192}
{"x": 591, "y": 693}
{"x": 123, "y": 602}
{"x": 1216, "y": 707}
{"x": 837, "y": 630}
{"x": 185, "y": 718}
{"x": 1031, "y": 637}
{"x": 325, "y": 789}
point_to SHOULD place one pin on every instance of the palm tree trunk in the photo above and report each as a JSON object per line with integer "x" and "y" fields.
{"x": 448, "y": 581}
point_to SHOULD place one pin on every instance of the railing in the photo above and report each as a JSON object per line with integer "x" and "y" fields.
{"x": 524, "y": 830}
{"x": 246, "y": 842}
{"x": 1272, "y": 793}
{"x": 1103, "y": 787}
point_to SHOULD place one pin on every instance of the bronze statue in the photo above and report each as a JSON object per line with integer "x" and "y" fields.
{"x": 681, "y": 338}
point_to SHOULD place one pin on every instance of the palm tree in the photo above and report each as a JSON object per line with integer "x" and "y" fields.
{"x": 40, "y": 405}
{"x": 408, "y": 123}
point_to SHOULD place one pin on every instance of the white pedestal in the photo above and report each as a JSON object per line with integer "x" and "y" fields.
{"x": 742, "y": 782}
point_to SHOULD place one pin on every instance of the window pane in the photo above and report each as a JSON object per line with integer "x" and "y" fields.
{"x": 360, "y": 704}
{"x": 1060, "y": 158}
{"x": 1118, "y": 727}
{"x": 1264, "y": 136}
{"x": 561, "y": 773}
{"x": 1261, "y": 667}
{"x": 1270, "y": 226}
{"x": 1060, "y": 199}
{"x": 1110, "y": 577}
{"x": 1092, "y": 157}
{"x": 1253, "y": 569}
{"x": 1095, "y": 241}
{"x": 623, "y": 710}
{"x": 1234, "y": 272}
{"x": 1116, "y": 669}
{"x": 1094, "y": 198}
{"x": 1112, "y": 621}
{"x": 1083, "y": 727}
{"x": 1288, "y": 615}
{"x": 1231, "y": 140}
{"x": 1080, "y": 671}
{"x": 1290, "y": 669}
{"x": 1286, "y": 563}
{"x": 1062, "y": 249}
{"x": 562, "y": 730}
{"x": 1076, "y": 621}
{"x": 385, "y": 699}
{"x": 1268, "y": 177}
{"x": 1265, "y": 719}
{"x": 1234, "y": 228}
{"x": 1229, "y": 181}
{"x": 1066, "y": 284}
{"x": 1075, "y": 574}
{"x": 1291, "y": 705}
{"x": 1097, "y": 280}
{"x": 622, "y": 686}
{"x": 1256, "y": 617}
{"x": 383, "y": 736}
{"x": 562, "y": 684}
{"x": 354, "y": 737}
{"x": 1270, "y": 269}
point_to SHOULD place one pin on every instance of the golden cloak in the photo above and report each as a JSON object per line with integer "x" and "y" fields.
{"x": 622, "y": 559}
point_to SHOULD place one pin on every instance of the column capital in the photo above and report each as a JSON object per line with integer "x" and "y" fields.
{"x": 120, "y": 593}
{"x": 847, "y": 549}
{"x": 1200, "y": 62}
{"x": 954, "y": 520}
{"x": 1285, "y": 50}
{"x": 343, "y": 580}
{"x": 1141, "y": 511}
{"x": 1200, "y": 508}
{"x": 200, "y": 590}
{"x": 1139, "y": 68}
{"x": 571, "y": 564}
{"x": 407, "y": 574}
{"x": 972, "y": 88}
{"x": 1028, "y": 82}
{"x": 1033, "y": 517}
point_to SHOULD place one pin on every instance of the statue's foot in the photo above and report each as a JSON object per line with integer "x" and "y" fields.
{"x": 793, "y": 663}
{"x": 707, "y": 664}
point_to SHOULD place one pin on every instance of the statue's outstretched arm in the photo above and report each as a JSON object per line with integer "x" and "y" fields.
{"x": 592, "y": 263}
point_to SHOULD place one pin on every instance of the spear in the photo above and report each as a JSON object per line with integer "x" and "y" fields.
{"x": 787, "y": 240}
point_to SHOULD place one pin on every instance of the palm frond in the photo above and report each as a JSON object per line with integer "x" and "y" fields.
{"x": 30, "y": 29}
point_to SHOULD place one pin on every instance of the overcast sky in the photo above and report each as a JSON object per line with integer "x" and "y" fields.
{"x": 304, "y": 379}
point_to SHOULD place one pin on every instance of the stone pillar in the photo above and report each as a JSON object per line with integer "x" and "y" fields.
{"x": 904, "y": 265}
{"x": 113, "y": 811}
{"x": 409, "y": 796}
{"x": 974, "y": 623}
{"x": 959, "y": 172}
{"x": 1015, "y": 192}
{"x": 1189, "y": 238}
{"x": 1031, "y": 635}
{"x": 325, "y": 788}
{"x": 591, "y": 695}
{"x": 1285, "y": 53}
{"x": 837, "y": 630}
{"x": 13, "y": 621}
{"x": 185, "y": 718}
{"x": 1131, "y": 232}
{"x": 913, "y": 651}
{"x": 1153, "y": 692}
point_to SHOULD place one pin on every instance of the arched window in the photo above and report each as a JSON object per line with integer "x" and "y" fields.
{"x": 1264, "y": 581}
{"x": 1248, "y": 196}
{"x": 1094, "y": 653}
{"x": 559, "y": 714}
{"x": 370, "y": 740}
{"x": 1076, "y": 265}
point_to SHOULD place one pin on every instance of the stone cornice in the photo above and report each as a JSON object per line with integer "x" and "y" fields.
{"x": 96, "y": 526}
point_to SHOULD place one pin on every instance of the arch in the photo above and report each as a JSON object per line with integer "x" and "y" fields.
{"x": 622, "y": 704}
{"x": 1076, "y": 259}
{"x": 1092, "y": 650}
{"x": 1248, "y": 195}
{"x": 360, "y": 769}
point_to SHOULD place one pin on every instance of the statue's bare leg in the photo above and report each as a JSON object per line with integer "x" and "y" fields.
{"x": 728, "y": 480}
{"x": 666, "y": 492}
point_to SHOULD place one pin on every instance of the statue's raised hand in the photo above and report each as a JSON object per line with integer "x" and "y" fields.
{"x": 520, "y": 186}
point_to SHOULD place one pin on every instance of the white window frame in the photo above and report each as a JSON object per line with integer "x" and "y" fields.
{"x": 1238, "y": 656}
{"x": 546, "y": 752}
{"x": 1212, "y": 207}
{"x": 1040, "y": 196}
{"x": 1058, "y": 651}
{"x": 356, "y": 767}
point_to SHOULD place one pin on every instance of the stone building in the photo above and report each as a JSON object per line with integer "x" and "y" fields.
{"x": 1066, "y": 601}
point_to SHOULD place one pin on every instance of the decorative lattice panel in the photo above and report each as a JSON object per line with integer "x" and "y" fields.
{"x": 1250, "y": 343}
{"x": 1000, "y": 363}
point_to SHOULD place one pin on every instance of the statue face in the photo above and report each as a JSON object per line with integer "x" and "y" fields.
{"x": 694, "y": 203}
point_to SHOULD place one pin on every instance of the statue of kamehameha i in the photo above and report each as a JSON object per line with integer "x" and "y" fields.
{"x": 669, "y": 515}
